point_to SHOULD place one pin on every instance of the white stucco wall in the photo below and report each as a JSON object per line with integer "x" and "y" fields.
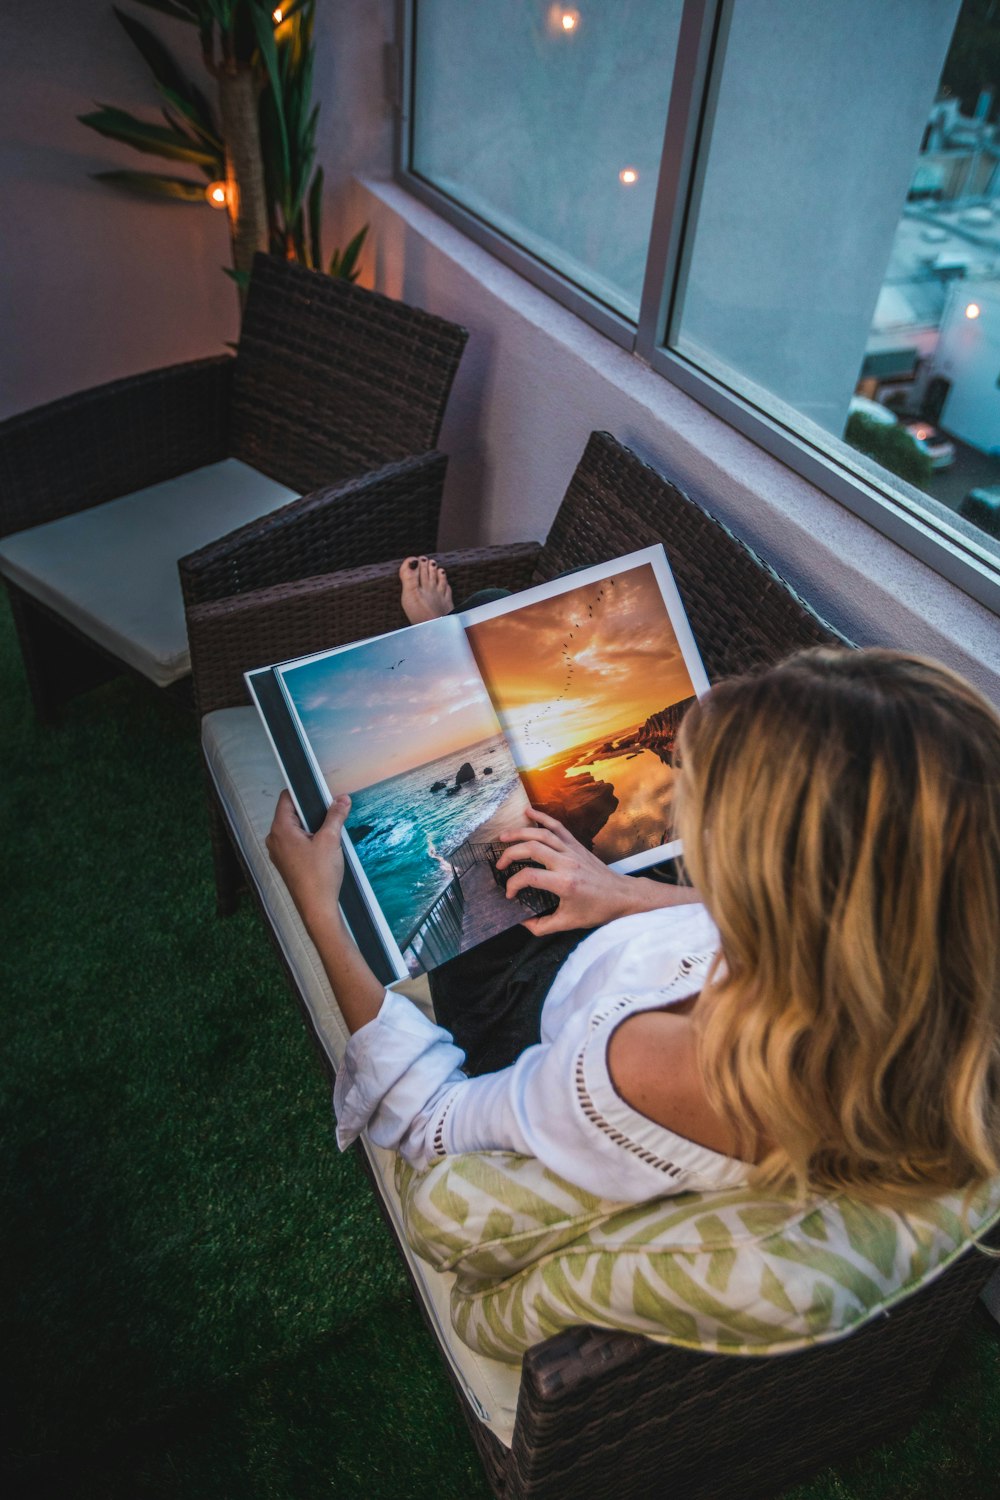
{"x": 95, "y": 284}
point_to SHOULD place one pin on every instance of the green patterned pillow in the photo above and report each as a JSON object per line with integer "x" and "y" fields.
{"x": 728, "y": 1271}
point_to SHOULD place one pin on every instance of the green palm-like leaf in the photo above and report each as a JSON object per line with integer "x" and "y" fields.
{"x": 344, "y": 263}
{"x": 264, "y": 28}
{"x": 152, "y": 185}
{"x": 314, "y": 213}
{"x": 180, "y": 10}
{"x": 205, "y": 130}
{"x": 155, "y": 140}
{"x": 169, "y": 76}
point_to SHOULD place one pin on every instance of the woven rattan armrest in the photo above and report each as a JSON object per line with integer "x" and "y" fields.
{"x": 105, "y": 442}
{"x": 612, "y": 1415}
{"x": 230, "y": 636}
{"x": 394, "y": 509}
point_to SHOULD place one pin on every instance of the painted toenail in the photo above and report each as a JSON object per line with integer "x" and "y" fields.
{"x": 413, "y": 563}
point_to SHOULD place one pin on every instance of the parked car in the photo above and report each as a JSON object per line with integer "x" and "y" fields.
{"x": 939, "y": 449}
{"x": 981, "y": 506}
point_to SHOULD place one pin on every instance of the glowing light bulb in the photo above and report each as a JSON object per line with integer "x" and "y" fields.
{"x": 972, "y": 310}
{"x": 276, "y": 16}
{"x": 569, "y": 20}
{"x": 628, "y": 175}
{"x": 216, "y": 194}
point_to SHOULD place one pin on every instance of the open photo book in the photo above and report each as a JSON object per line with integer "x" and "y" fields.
{"x": 566, "y": 697}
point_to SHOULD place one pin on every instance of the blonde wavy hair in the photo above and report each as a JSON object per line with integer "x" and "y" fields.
{"x": 841, "y": 817}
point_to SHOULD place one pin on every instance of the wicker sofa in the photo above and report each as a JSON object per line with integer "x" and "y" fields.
{"x": 590, "y": 1412}
{"x": 312, "y": 449}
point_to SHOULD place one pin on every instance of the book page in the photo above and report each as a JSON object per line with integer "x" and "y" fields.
{"x": 590, "y": 676}
{"x": 404, "y": 724}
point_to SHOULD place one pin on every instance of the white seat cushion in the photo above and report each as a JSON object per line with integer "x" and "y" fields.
{"x": 243, "y": 768}
{"x": 112, "y": 570}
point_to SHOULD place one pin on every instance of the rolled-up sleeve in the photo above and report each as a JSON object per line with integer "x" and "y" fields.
{"x": 395, "y": 1069}
{"x": 401, "y": 1082}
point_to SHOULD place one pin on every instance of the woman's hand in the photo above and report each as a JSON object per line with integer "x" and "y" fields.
{"x": 311, "y": 865}
{"x": 589, "y": 893}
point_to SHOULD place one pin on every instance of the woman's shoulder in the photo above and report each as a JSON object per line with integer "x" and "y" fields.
{"x": 652, "y": 1064}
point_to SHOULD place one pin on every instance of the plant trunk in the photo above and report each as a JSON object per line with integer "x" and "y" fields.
{"x": 245, "y": 192}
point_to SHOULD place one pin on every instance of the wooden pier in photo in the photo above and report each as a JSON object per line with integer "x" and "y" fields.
{"x": 471, "y": 908}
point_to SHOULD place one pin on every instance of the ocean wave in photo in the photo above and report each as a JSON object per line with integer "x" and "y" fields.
{"x": 403, "y": 831}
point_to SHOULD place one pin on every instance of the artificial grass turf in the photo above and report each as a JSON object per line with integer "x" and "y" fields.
{"x": 201, "y": 1298}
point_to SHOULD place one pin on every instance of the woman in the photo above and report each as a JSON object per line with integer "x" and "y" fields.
{"x": 821, "y": 1008}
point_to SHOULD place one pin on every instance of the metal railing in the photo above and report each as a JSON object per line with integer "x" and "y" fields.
{"x": 438, "y": 934}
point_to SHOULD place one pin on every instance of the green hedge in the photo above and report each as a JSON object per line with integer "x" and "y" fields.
{"x": 892, "y": 447}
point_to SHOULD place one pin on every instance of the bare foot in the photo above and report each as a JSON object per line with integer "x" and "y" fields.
{"x": 426, "y": 590}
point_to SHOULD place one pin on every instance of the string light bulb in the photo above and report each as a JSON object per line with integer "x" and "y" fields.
{"x": 216, "y": 194}
{"x": 628, "y": 175}
{"x": 973, "y": 310}
{"x": 563, "y": 20}
{"x": 276, "y": 16}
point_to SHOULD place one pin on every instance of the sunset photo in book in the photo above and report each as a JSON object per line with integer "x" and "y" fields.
{"x": 567, "y": 696}
{"x": 590, "y": 686}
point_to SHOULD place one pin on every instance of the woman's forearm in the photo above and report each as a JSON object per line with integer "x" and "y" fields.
{"x": 649, "y": 895}
{"x": 312, "y": 867}
{"x": 358, "y": 993}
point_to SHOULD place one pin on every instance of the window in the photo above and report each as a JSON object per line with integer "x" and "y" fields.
{"x": 792, "y": 211}
{"x": 527, "y": 118}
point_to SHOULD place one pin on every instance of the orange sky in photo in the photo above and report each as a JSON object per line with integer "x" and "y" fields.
{"x": 582, "y": 665}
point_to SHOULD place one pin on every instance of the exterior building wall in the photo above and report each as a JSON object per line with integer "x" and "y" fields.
{"x": 814, "y": 139}
{"x": 968, "y": 356}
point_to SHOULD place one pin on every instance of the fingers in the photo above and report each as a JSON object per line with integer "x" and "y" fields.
{"x": 552, "y": 824}
{"x": 287, "y": 824}
{"x": 529, "y": 847}
{"x": 533, "y": 878}
{"x": 336, "y": 816}
{"x": 286, "y": 820}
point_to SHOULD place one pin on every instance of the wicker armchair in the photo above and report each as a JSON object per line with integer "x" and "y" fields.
{"x": 332, "y": 408}
{"x": 598, "y": 1413}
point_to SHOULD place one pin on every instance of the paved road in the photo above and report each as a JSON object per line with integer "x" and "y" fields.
{"x": 970, "y": 469}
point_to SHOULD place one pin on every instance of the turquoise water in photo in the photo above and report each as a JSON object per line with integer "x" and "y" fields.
{"x": 413, "y": 829}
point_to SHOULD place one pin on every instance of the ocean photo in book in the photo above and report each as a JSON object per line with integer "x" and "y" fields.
{"x": 590, "y": 685}
{"x": 404, "y": 725}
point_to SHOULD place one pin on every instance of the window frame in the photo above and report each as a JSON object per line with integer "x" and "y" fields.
{"x": 935, "y": 539}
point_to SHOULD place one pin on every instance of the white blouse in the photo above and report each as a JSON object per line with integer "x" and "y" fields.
{"x": 401, "y": 1077}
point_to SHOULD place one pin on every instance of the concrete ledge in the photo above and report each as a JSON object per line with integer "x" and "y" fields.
{"x": 536, "y": 380}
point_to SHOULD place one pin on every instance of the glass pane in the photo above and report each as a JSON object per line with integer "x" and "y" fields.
{"x": 547, "y": 122}
{"x": 844, "y": 271}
